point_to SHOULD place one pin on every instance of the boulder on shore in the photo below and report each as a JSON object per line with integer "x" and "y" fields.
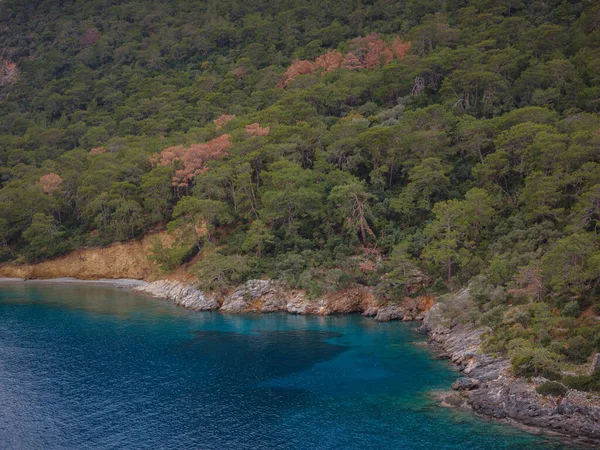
{"x": 389, "y": 313}
{"x": 180, "y": 294}
{"x": 256, "y": 296}
{"x": 465, "y": 384}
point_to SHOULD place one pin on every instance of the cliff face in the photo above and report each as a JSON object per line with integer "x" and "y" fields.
{"x": 120, "y": 260}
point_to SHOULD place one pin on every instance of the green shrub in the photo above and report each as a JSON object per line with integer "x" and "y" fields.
{"x": 439, "y": 286}
{"x": 289, "y": 267}
{"x": 552, "y": 388}
{"x": 480, "y": 289}
{"x": 571, "y": 309}
{"x": 336, "y": 279}
{"x": 530, "y": 360}
{"x": 583, "y": 382}
{"x": 518, "y": 315}
{"x": 217, "y": 271}
{"x": 493, "y": 317}
{"x": 168, "y": 258}
{"x": 577, "y": 349}
{"x": 307, "y": 281}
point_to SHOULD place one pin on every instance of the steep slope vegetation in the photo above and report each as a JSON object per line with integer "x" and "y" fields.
{"x": 374, "y": 143}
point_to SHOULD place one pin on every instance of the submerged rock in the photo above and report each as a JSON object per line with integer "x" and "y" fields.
{"x": 450, "y": 399}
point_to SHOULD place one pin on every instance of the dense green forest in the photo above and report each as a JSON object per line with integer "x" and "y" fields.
{"x": 323, "y": 143}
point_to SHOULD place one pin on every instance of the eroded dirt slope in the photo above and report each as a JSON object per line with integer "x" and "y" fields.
{"x": 120, "y": 260}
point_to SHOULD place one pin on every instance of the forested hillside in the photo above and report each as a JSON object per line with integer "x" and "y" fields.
{"x": 324, "y": 143}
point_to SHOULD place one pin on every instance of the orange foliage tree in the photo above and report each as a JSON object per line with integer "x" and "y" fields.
{"x": 254, "y": 129}
{"x": 371, "y": 51}
{"x": 168, "y": 157}
{"x": 96, "y": 151}
{"x": 365, "y": 53}
{"x": 297, "y": 68}
{"x": 50, "y": 182}
{"x": 329, "y": 62}
{"x": 351, "y": 61}
{"x": 89, "y": 37}
{"x": 400, "y": 48}
{"x": 222, "y": 120}
{"x": 191, "y": 162}
{"x": 9, "y": 72}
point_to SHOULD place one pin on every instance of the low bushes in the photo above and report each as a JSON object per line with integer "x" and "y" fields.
{"x": 552, "y": 388}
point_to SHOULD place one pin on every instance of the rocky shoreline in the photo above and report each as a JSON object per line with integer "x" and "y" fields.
{"x": 487, "y": 388}
{"x": 485, "y": 385}
{"x": 267, "y": 296}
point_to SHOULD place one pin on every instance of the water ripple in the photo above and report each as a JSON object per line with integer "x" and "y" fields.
{"x": 99, "y": 368}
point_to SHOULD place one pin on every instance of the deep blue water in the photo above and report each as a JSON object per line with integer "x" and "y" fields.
{"x": 91, "y": 367}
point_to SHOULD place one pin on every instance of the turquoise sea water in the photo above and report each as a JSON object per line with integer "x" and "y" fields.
{"x": 100, "y": 368}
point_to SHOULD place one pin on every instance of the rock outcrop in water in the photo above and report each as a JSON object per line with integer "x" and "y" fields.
{"x": 488, "y": 388}
{"x": 388, "y": 313}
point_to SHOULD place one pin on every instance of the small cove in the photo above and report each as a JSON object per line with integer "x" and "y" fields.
{"x": 98, "y": 367}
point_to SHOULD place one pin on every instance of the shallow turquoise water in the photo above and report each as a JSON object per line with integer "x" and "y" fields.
{"x": 91, "y": 367}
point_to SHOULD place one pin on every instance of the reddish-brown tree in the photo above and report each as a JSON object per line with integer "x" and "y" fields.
{"x": 50, "y": 182}
{"x": 329, "y": 62}
{"x": 89, "y": 37}
{"x": 255, "y": 129}
{"x": 191, "y": 162}
{"x": 351, "y": 61}
{"x": 297, "y": 68}
{"x": 400, "y": 48}
{"x": 168, "y": 156}
{"x": 96, "y": 151}
{"x": 222, "y": 120}
{"x": 371, "y": 50}
{"x": 365, "y": 53}
{"x": 9, "y": 72}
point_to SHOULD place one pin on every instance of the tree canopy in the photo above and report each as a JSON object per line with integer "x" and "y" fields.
{"x": 324, "y": 143}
